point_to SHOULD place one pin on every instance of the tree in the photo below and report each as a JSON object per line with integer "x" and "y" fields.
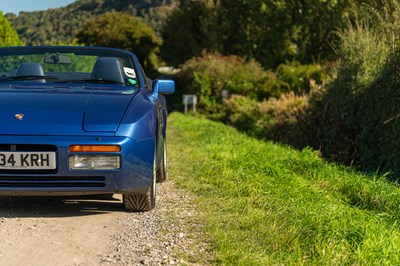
{"x": 121, "y": 30}
{"x": 8, "y": 36}
{"x": 188, "y": 31}
{"x": 270, "y": 31}
{"x": 275, "y": 31}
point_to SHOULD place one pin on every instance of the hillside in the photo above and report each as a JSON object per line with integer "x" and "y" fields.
{"x": 59, "y": 25}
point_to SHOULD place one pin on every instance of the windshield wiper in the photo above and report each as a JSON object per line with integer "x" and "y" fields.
{"x": 30, "y": 77}
{"x": 99, "y": 80}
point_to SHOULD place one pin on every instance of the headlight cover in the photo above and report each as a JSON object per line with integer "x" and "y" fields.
{"x": 94, "y": 162}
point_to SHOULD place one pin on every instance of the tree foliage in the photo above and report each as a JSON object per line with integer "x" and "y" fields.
{"x": 188, "y": 31}
{"x": 60, "y": 25}
{"x": 121, "y": 30}
{"x": 8, "y": 36}
{"x": 270, "y": 31}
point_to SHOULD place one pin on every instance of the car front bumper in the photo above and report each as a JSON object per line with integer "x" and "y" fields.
{"x": 134, "y": 176}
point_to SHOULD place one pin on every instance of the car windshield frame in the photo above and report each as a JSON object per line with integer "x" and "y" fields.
{"x": 127, "y": 60}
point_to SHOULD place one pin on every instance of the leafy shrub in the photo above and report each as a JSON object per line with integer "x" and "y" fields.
{"x": 243, "y": 113}
{"x": 277, "y": 119}
{"x": 212, "y": 75}
{"x": 296, "y": 77}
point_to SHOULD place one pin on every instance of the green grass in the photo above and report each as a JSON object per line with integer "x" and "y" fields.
{"x": 266, "y": 204}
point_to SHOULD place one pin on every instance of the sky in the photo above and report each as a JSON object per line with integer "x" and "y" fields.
{"x": 15, "y": 6}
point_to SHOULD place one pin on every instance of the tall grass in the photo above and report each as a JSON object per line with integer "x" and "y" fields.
{"x": 269, "y": 204}
{"x": 355, "y": 121}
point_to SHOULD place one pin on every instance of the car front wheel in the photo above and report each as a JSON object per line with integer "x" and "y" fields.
{"x": 139, "y": 202}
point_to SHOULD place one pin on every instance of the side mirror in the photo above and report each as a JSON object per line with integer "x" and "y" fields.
{"x": 164, "y": 86}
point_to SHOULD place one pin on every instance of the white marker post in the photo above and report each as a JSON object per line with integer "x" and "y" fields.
{"x": 190, "y": 99}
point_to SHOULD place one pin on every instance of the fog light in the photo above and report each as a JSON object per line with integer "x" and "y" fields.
{"x": 94, "y": 162}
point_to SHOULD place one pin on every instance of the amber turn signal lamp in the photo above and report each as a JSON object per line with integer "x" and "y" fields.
{"x": 94, "y": 148}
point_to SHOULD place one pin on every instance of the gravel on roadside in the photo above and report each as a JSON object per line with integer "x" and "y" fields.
{"x": 171, "y": 234}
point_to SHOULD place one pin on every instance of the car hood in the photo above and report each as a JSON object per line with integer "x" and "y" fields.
{"x": 57, "y": 111}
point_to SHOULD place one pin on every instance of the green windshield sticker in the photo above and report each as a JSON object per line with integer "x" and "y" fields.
{"x": 132, "y": 81}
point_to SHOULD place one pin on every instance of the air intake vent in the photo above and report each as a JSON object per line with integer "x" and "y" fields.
{"x": 46, "y": 182}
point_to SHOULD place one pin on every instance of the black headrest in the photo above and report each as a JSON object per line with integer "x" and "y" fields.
{"x": 30, "y": 69}
{"x": 107, "y": 68}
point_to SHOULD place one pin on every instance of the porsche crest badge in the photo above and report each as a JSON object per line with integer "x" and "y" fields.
{"x": 19, "y": 116}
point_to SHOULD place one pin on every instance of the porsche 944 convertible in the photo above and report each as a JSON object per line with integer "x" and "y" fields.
{"x": 81, "y": 121}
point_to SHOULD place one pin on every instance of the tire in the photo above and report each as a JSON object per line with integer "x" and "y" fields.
{"x": 139, "y": 202}
{"x": 162, "y": 168}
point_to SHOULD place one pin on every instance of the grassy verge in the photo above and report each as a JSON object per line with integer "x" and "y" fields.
{"x": 268, "y": 204}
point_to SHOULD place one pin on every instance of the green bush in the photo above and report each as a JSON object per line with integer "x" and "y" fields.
{"x": 296, "y": 77}
{"x": 212, "y": 75}
{"x": 275, "y": 119}
{"x": 243, "y": 113}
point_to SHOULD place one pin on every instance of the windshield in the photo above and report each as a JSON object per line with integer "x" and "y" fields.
{"x": 67, "y": 65}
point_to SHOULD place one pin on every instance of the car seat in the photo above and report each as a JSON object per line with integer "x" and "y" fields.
{"x": 108, "y": 68}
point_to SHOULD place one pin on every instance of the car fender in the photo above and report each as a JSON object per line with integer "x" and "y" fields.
{"x": 140, "y": 120}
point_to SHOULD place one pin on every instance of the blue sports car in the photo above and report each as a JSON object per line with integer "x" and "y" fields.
{"x": 79, "y": 121}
